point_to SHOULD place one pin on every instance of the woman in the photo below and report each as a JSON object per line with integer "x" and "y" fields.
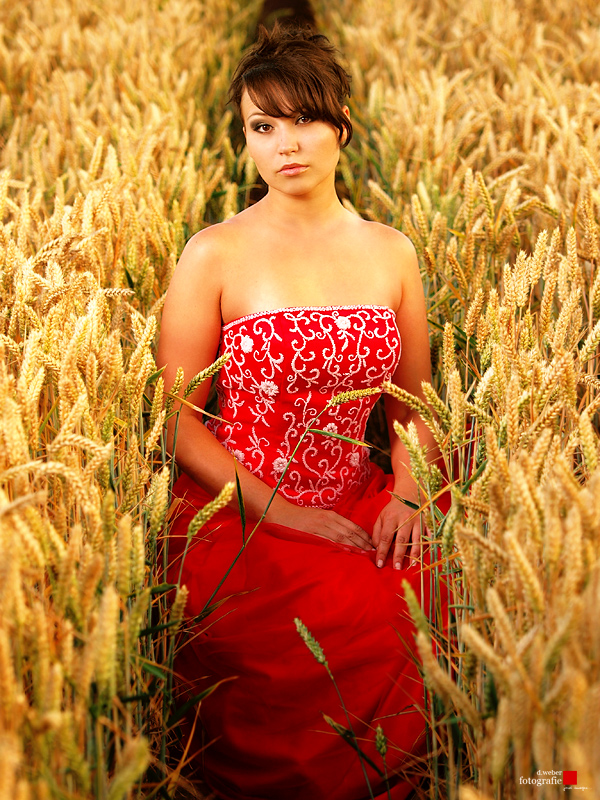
{"x": 310, "y": 301}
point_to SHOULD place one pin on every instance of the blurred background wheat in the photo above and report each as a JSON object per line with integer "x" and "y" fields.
{"x": 477, "y": 134}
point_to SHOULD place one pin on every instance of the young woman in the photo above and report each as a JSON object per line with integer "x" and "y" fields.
{"x": 309, "y": 301}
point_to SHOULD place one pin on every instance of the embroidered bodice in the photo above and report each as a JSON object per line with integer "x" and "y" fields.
{"x": 284, "y": 367}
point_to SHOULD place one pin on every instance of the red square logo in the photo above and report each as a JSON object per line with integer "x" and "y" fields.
{"x": 570, "y": 777}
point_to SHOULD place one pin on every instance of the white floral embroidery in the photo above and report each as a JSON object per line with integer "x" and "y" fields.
{"x": 343, "y": 323}
{"x": 354, "y": 459}
{"x": 247, "y": 344}
{"x": 285, "y": 365}
{"x": 269, "y": 388}
{"x": 279, "y": 465}
{"x": 239, "y": 455}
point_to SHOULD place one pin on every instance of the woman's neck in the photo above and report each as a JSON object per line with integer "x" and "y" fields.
{"x": 302, "y": 212}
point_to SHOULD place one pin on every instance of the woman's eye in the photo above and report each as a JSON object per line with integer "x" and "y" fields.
{"x": 303, "y": 119}
{"x": 262, "y": 127}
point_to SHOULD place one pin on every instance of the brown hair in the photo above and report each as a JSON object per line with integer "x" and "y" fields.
{"x": 292, "y": 70}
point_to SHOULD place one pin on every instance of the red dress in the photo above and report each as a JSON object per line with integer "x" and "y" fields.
{"x": 269, "y": 738}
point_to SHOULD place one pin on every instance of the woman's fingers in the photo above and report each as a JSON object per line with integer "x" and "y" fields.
{"x": 406, "y": 540}
{"x": 385, "y": 541}
{"x": 355, "y": 535}
{"x": 416, "y": 549}
{"x": 376, "y": 532}
{"x": 389, "y": 533}
{"x": 413, "y": 542}
{"x": 344, "y": 532}
{"x": 329, "y": 525}
{"x": 403, "y": 538}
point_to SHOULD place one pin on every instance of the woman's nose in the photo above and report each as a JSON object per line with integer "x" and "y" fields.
{"x": 288, "y": 141}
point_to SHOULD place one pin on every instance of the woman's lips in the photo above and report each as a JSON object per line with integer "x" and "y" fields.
{"x": 293, "y": 169}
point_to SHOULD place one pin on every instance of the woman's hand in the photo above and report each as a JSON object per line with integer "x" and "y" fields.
{"x": 392, "y": 523}
{"x": 324, "y": 523}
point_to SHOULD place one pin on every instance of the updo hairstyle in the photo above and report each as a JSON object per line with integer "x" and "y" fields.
{"x": 294, "y": 70}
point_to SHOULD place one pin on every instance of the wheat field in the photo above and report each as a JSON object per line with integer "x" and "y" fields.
{"x": 477, "y": 133}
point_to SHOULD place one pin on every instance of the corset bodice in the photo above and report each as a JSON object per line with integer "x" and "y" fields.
{"x": 284, "y": 367}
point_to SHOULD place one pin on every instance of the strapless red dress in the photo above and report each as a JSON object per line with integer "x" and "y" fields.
{"x": 265, "y": 734}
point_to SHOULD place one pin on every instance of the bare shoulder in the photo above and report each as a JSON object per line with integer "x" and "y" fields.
{"x": 203, "y": 253}
{"x": 389, "y": 240}
{"x": 210, "y": 252}
{"x": 194, "y": 294}
{"x": 393, "y": 251}
{"x": 191, "y": 319}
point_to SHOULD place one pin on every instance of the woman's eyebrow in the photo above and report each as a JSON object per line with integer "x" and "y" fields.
{"x": 273, "y": 116}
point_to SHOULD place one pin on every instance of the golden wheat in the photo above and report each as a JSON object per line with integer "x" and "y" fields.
{"x": 477, "y": 135}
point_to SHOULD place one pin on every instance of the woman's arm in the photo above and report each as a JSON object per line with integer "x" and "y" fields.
{"x": 413, "y": 369}
{"x": 190, "y": 333}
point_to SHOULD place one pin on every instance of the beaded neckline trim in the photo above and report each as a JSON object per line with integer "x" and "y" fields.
{"x": 293, "y": 309}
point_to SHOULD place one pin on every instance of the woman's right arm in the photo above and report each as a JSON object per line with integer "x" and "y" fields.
{"x": 189, "y": 338}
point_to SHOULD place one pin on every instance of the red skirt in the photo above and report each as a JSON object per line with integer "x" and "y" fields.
{"x": 264, "y": 736}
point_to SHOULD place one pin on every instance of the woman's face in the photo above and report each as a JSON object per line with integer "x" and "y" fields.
{"x": 295, "y": 154}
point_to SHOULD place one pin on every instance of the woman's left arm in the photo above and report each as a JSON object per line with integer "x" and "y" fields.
{"x": 393, "y": 527}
